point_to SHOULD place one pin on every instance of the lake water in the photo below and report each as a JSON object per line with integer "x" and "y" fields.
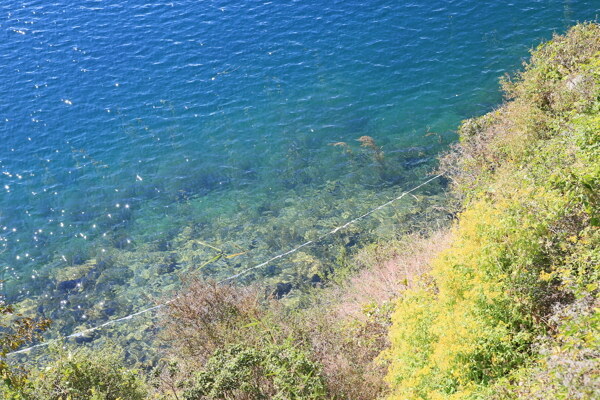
{"x": 140, "y": 141}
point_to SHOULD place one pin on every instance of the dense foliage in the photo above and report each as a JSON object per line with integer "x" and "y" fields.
{"x": 86, "y": 374}
{"x": 269, "y": 372}
{"x": 511, "y": 308}
{"x": 68, "y": 375}
{"x": 227, "y": 342}
{"x": 80, "y": 374}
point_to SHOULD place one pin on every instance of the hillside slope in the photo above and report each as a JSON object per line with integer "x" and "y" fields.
{"x": 510, "y": 309}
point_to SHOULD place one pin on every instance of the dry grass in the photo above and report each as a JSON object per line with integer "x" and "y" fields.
{"x": 387, "y": 270}
{"x": 206, "y": 316}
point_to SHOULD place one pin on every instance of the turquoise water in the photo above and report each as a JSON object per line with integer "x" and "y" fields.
{"x": 140, "y": 141}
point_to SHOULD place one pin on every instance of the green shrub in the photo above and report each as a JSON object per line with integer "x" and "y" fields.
{"x": 266, "y": 372}
{"x": 83, "y": 374}
{"x": 244, "y": 344}
{"x": 566, "y": 364}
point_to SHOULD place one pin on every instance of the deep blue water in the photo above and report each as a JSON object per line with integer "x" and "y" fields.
{"x": 130, "y": 128}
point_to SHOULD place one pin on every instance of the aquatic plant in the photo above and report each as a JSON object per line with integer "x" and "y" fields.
{"x": 342, "y": 145}
{"x": 369, "y": 142}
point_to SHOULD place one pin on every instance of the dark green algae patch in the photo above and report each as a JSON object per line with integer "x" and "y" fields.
{"x": 222, "y": 232}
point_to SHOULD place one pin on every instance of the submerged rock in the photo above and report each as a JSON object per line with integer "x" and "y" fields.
{"x": 84, "y": 338}
{"x": 68, "y": 285}
{"x": 281, "y": 289}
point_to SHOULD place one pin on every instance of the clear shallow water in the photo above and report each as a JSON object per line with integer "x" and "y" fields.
{"x": 134, "y": 135}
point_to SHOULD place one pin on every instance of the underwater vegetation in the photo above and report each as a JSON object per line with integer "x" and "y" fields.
{"x": 372, "y": 154}
{"x": 218, "y": 233}
{"x": 369, "y": 143}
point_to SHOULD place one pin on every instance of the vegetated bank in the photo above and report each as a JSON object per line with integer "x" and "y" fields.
{"x": 502, "y": 306}
{"x": 511, "y": 308}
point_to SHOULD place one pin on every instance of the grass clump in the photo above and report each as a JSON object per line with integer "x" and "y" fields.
{"x": 525, "y": 247}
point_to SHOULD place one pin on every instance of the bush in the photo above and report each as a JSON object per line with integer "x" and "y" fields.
{"x": 84, "y": 374}
{"x": 346, "y": 325}
{"x": 241, "y": 341}
{"x": 207, "y": 316}
{"x": 566, "y": 365}
{"x": 266, "y": 372}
